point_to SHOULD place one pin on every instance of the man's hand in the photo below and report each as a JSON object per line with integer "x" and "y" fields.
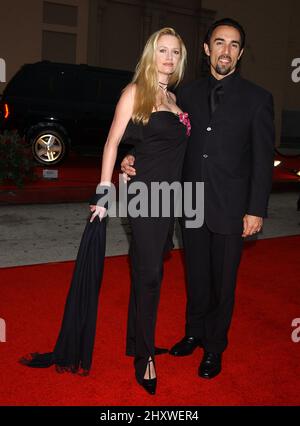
{"x": 126, "y": 167}
{"x": 252, "y": 225}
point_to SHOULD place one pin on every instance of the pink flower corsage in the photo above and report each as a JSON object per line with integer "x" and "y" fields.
{"x": 184, "y": 119}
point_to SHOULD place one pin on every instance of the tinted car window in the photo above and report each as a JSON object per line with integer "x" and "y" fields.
{"x": 54, "y": 84}
{"x": 20, "y": 85}
{"x": 112, "y": 87}
{"x": 103, "y": 87}
{"x": 62, "y": 85}
{"x": 42, "y": 82}
{"x": 91, "y": 86}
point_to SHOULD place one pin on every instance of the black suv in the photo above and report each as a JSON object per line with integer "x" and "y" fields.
{"x": 61, "y": 106}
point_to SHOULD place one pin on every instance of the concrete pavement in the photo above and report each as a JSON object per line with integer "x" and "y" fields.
{"x": 41, "y": 233}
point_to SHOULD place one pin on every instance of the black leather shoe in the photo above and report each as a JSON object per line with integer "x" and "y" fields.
{"x": 210, "y": 365}
{"x": 186, "y": 346}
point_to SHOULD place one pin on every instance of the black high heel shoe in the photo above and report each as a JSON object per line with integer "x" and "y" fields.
{"x": 149, "y": 384}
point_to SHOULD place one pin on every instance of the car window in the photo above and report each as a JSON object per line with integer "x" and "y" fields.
{"x": 20, "y": 83}
{"x": 103, "y": 87}
{"x": 44, "y": 82}
{"x": 56, "y": 84}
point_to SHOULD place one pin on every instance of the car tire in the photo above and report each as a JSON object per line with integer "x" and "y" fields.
{"x": 49, "y": 143}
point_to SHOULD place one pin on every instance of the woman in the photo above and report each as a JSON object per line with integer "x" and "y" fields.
{"x": 163, "y": 127}
{"x": 163, "y": 130}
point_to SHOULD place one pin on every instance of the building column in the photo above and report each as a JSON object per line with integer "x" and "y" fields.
{"x": 96, "y": 16}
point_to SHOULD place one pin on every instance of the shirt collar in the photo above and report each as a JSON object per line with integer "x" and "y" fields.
{"x": 226, "y": 81}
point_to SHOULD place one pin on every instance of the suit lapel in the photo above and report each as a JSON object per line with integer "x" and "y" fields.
{"x": 198, "y": 103}
{"x": 229, "y": 94}
{"x": 200, "y": 113}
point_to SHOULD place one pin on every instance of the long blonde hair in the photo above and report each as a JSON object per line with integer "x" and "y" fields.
{"x": 146, "y": 79}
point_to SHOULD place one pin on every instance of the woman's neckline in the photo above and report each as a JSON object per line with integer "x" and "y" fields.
{"x": 165, "y": 110}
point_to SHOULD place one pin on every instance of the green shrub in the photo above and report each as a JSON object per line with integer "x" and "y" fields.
{"x": 16, "y": 162}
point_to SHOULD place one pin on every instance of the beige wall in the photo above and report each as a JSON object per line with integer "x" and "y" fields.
{"x": 118, "y": 29}
{"x": 21, "y": 26}
{"x": 20, "y": 33}
{"x": 112, "y": 33}
{"x": 291, "y": 99}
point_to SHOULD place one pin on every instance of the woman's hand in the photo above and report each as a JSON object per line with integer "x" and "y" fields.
{"x": 97, "y": 211}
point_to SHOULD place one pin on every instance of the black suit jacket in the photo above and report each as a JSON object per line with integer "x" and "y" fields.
{"x": 231, "y": 152}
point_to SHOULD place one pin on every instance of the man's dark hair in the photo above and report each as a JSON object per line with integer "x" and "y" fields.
{"x": 230, "y": 23}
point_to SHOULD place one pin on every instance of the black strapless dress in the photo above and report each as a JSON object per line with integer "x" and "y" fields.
{"x": 159, "y": 156}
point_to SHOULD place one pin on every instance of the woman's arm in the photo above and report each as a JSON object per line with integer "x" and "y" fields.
{"x": 121, "y": 118}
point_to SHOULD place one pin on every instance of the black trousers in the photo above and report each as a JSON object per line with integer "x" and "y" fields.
{"x": 212, "y": 262}
{"x": 150, "y": 240}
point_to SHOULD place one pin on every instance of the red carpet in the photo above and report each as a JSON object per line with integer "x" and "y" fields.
{"x": 78, "y": 177}
{"x": 261, "y": 365}
{"x": 77, "y": 180}
{"x": 285, "y": 174}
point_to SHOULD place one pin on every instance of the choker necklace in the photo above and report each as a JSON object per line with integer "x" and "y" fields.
{"x": 163, "y": 86}
{"x": 165, "y": 90}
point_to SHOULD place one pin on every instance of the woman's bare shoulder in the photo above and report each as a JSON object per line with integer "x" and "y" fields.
{"x": 130, "y": 89}
{"x": 128, "y": 94}
{"x": 173, "y": 96}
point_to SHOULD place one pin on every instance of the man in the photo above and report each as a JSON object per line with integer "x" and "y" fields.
{"x": 231, "y": 151}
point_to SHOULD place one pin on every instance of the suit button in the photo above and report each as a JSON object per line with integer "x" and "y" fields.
{"x": 209, "y": 129}
{"x": 205, "y": 155}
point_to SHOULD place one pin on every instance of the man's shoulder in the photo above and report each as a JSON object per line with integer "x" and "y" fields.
{"x": 254, "y": 89}
{"x": 192, "y": 85}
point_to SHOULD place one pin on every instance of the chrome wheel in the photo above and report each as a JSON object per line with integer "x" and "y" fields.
{"x": 48, "y": 148}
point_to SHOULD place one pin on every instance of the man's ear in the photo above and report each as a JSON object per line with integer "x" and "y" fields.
{"x": 240, "y": 54}
{"x": 206, "y": 49}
